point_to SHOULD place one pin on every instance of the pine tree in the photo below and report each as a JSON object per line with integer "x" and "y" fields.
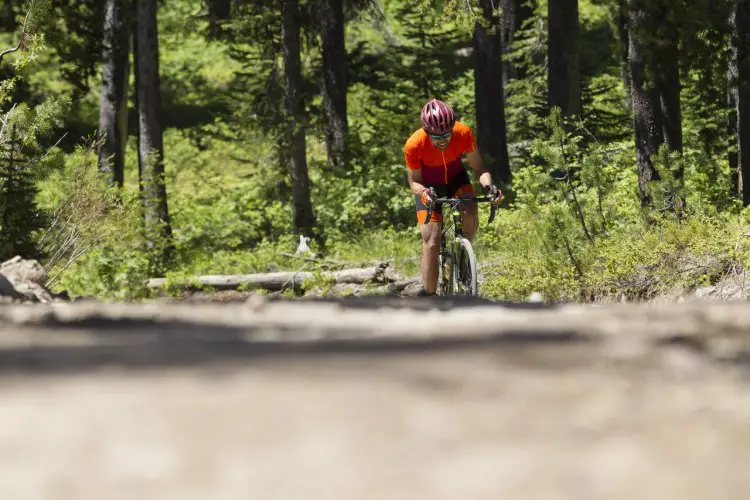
{"x": 23, "y": 160}
{"x": 514, "y": 16}
{"x": 20, "y": 216}
{"x": 527, "y": 105}
{"x": 653, "y": 37}
{"x": 428, "y": 59}
{"x": 158, "y": 228}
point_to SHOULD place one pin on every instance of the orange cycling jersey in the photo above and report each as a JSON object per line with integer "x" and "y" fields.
{"x": 439, "y": 167}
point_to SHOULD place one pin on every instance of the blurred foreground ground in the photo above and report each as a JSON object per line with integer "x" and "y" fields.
{"x": 375, "y": 400}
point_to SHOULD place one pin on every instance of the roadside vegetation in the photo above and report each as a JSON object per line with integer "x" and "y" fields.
{"x": 584, "y": 218}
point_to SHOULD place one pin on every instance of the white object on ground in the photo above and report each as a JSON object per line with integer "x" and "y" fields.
{"x": 303, "y": 248}
{"x": 536, "y": 298}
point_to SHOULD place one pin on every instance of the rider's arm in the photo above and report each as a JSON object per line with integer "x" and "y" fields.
{"x": 473, "y": 156}
{"x": 477, "y": 165}
{"x": 414, "y": 176}
{"x": 413, "y": 159}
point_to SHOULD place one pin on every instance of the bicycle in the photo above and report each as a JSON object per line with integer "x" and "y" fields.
{"x": 458, "y": 264}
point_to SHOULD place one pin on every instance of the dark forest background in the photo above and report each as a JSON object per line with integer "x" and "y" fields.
{"x": 146, "y": 138}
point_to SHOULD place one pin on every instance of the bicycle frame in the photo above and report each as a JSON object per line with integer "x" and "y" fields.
{"x": 450, "y": 247}
{"x": 455, "y": 203}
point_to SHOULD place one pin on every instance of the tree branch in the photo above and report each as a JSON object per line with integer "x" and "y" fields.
{"x": 22, "y": 38}
{"x": 54, "y": 146}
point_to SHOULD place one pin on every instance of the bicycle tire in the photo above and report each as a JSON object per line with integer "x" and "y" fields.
{"x": 465, "y": 269}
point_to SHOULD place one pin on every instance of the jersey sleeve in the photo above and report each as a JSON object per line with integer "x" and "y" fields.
{"x": 412, "y": 156}
{"x": 466, "y": 137}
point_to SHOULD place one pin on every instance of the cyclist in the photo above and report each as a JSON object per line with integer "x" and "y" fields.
{"x": 434, "y": 167}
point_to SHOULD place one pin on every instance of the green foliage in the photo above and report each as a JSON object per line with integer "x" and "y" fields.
{"x": 19, "y": 215}
{"x": 23, "y": 164}
{"x": 91, "y": 243}
{"x": 527, "y": 96}
{"x": 573, "y": 231}
{"x": 577, "y": 233}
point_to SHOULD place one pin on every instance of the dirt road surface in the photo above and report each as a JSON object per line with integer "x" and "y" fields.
{"x": 374, "y": 399}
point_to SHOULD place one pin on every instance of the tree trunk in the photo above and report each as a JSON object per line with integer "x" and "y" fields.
{"x": 295, "y": 118}
{"x": 218, "y": 11}
{"x": 113, "y": 100}
{"x": 732, "y": 157}
{"x": 740, "y": 83}
{"x": 647, "y": 117}
{"x": 331, "y": 17}
{"x": 150, "y": 145}
{"x": 564, "y": 75}
{"x": 669, "y": 91}
{"x": 489, "y": 96}
{"x": 622, "y": 30}
{"x": 515, "y": 13}
{"x": 283, "y": 279}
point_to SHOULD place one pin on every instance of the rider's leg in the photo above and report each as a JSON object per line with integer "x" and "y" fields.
{"x": 430, "y": 251}
{"x": 469, "y": 218}
{"x": 430, "y": 242}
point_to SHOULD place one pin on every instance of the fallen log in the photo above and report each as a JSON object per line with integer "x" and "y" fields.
{"x": 282, "y": 280}
{"x": 411, "y": 286}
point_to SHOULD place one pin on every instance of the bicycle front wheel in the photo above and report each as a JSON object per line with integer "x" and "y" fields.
{"x": 446, "y": 281}
{"x": 466, "y": 269}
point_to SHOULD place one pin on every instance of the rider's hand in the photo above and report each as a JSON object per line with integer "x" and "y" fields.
{"x": 427, "y": 197}
{"x": 493, "y": 193}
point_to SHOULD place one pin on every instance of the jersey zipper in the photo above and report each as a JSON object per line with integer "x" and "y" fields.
{"x": 445, "y": 167}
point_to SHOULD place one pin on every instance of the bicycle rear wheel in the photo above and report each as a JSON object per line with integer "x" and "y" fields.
{"x": 465, "y": 269}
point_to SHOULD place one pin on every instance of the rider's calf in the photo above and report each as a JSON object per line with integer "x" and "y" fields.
{"x": 469, "y": 220}
{"x": 430, "y": 251}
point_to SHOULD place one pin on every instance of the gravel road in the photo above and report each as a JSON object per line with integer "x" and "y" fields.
{"x": 374, "y": 399}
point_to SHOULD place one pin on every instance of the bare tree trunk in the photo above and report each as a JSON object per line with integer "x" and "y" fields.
{"x": 732, "y": 97}
{"x": 489, "y": 96}
{"x": 150, "y": 144}
{"x": 622, "y": 30}
{"x": 295, "y": 129}
{"x": 284, "y": 279}
{"x": 740, "y": 83}
{"x": 669, "y": 90}
{"x": 564, "y": 74}
{"x": 331, "y": 17}
{"x": 113, "y": 100}
{"x": 647, "y": 117}
{"x": 218, "y": 11}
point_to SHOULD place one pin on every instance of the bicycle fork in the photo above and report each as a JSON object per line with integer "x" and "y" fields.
{"x": 444, "y": 264}
{"x": 448, "y": 257}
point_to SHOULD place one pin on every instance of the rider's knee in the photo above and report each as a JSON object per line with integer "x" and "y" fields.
{"x": 431, "y": 240}
{"x": 431, "y": 244}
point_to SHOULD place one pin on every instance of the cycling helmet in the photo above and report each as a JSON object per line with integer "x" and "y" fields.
{"x": 438, "y": 117}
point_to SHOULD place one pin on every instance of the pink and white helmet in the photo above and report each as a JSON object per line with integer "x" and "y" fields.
{"x": 438, "y": 117}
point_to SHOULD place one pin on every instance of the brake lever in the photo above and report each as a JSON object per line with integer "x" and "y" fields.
{"x": 433, "y": 196}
